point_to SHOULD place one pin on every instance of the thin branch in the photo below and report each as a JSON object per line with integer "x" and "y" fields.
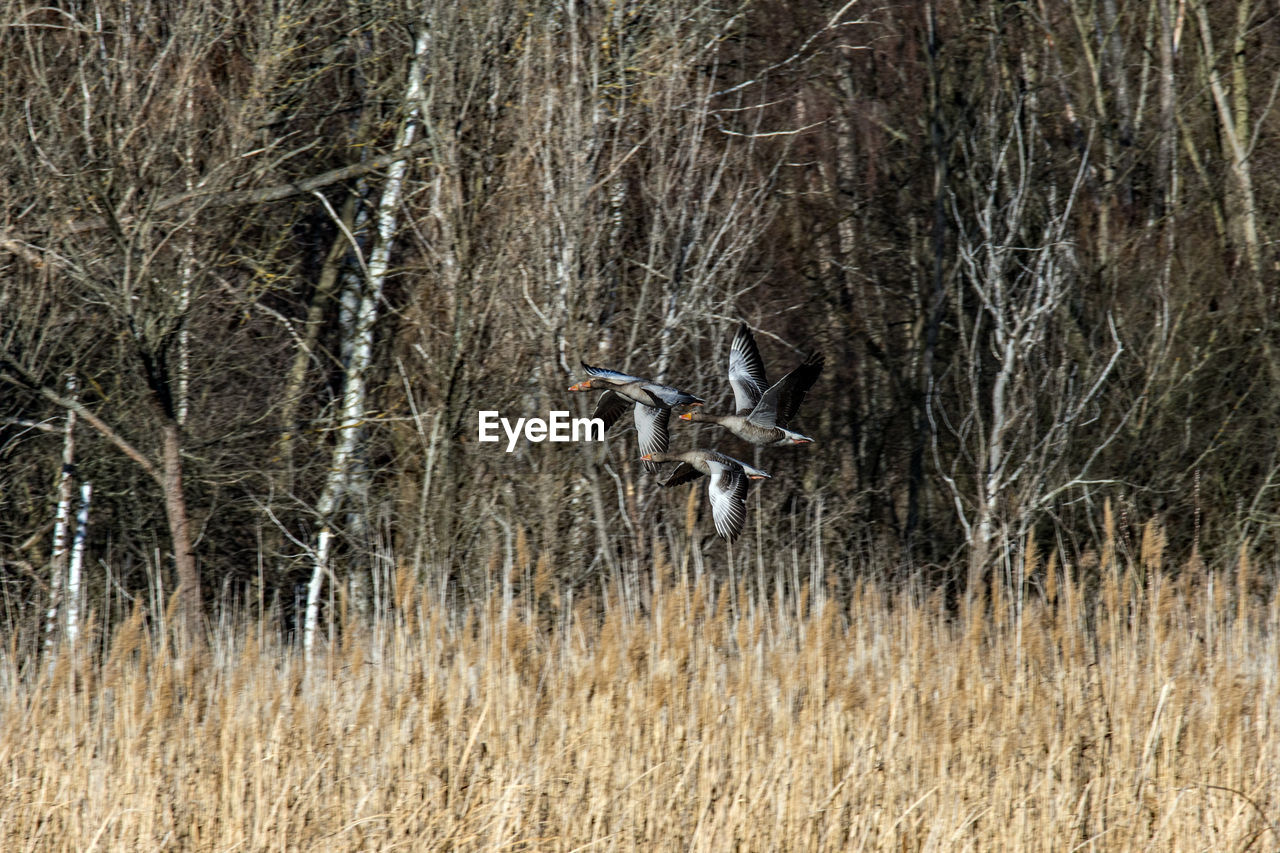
{"x": 212, "y": 198}
{"x": 22, "y": 422}
{"x": 346, "y": 232}
{"x": 15, "y": 375}
{"x": 763, "y": 135}
{"x": 832, "y": 23}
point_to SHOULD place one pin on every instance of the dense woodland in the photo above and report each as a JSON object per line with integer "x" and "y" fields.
{"x": 261, "y": 266}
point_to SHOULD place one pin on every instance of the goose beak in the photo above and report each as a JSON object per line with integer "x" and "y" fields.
{"x": 687, "y": 416}
{"x": 648, "y": 457}
{"x": 582, "y": 386}
{"x": 760, "y": 476}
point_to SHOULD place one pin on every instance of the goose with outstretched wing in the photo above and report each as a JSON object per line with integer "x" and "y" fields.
{"x": 651, "y": 402}
{"x": 727, "y": 488}
{"x": 762, "y": 411}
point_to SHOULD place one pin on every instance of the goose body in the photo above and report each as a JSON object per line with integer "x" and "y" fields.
{"x": 750, "y": 430}
{"x": 727, "y": 488}
{"x": 762, "y": 411}
{"x": 650, "y": 401}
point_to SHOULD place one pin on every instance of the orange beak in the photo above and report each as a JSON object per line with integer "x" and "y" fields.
{"x": 585, "y": 385}
{"x": 648, "y": 457}
{"x": 687, "y": 416}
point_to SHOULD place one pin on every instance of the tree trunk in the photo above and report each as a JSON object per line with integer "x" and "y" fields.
{"x": 190, "y": 598}
{"x": 1233, "y": 120}
{"x": 295, "y": 385}
{"x": 77, "y": 561}
{"x": 360, "y": 343}
{"x": 932, "y": 312}
{"x": 62, "y": 522}
{"x": 1166, "y": 153}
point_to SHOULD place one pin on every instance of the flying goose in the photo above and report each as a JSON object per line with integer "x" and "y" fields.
{"x": 762, "y": 411}
{"x": 652, "y": 401}
{"x": 727, "y": 487}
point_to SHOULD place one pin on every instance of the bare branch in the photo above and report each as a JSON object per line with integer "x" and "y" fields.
{"x": 15, "y": 375}
{"x": 35, "y": 256}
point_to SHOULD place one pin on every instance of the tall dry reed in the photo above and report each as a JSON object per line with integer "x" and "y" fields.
{"x": 1133, "y": 713}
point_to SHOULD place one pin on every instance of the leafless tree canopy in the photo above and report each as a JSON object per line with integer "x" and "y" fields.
{"x": 1033, "y": 240}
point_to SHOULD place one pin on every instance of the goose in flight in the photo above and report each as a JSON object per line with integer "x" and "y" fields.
{"x": 762, "y": 411}
{"x": 727, "y": 487}
{"x": 652, "y": 400}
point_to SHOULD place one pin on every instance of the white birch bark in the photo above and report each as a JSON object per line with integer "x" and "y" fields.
{"x": 77, "y": 561}
{"x": 61, "y": 523}
{"x": 355, "y": 386}
{"x": 352, "y": 315}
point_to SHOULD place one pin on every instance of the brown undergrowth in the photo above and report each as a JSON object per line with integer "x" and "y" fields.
{"x": 1132, "y": 710}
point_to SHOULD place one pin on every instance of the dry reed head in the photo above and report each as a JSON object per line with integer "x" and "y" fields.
{"x": 522, "y": 551}
{"x": 1244, "y": 578}
{"x": 1030, "y": 557}
{"x": 1108, "y": 554}
{"x": 1051, "y": 579}
{"x": 542, "y": 577}
{"x": 1153, "y": 546}
{"x": 406, "y": 588}
{"x": 691, "y": 512}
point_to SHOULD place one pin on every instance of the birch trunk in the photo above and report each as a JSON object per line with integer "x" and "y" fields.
{"x": 1168, "y": 147}
{"x": 77, "y": 561}
{"x": 354, "y": 324}
{"x": 62, "y": 522}
{"x": 355, "y": 387}
{"x": 186, "y": 274}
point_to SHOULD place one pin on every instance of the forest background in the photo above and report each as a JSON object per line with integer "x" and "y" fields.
{"x": 261, "y": 266}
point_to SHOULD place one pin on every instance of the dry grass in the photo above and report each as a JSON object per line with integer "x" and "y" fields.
{"x": 1138, "y": 715}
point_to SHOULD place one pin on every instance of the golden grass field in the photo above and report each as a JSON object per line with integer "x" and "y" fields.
{"x": 1136, "y": 712}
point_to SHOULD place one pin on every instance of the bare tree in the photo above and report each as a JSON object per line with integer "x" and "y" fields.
{"x": 358, "y": 340}
{"x": 120, "y": 156}
{"x": 1023, "y": 388}
{"x": 1234, "y": 120}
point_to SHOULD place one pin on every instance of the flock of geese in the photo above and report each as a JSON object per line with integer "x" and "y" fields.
{"x": 761, "y": 414}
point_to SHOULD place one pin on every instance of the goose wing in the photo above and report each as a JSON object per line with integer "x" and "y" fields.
{"x": 684, "y": 473}
{"x": 615, "y": 376}
{"x": 796, "y": 384}
{"x": 746, "y": 371}
{"x": 651, "y": 428}
{"x": 728, "y": 493}
{"x": 779, "y": 404}
{"x": 665, "y": 395}
{"x": 610, "y": 407}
